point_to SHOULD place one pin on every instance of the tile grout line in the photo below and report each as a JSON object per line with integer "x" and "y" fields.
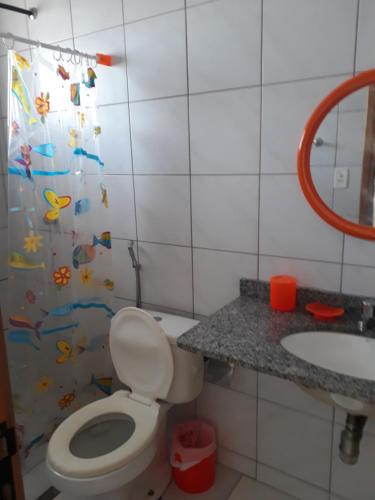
{"x": 276, "y": 256}
{"x": 71, "y": 23}
{"x": 296, "y": 478}
{"x": 331, "y": 451}
{"x": 189, "y": 158}
{"x": 356, "y": 37}
{"x": 260, "y": 134}
{"x": 229, "y": 89}
{"x": 337, "y": 132}
{"x": 258, "y": 228}
{"x": 130, "y": 136}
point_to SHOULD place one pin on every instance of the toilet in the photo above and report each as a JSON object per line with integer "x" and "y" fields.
{"x": 116, "y": 447}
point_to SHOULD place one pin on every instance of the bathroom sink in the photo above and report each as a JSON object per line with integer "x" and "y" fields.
{"x": 342, "y": 353}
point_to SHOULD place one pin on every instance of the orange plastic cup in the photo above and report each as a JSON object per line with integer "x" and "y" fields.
{"x": 283, "y": 293}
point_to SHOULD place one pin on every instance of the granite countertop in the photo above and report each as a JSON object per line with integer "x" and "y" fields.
{"x": 247, "y": 332}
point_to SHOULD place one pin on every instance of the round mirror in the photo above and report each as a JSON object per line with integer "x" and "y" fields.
{"x": 336, "y": 157}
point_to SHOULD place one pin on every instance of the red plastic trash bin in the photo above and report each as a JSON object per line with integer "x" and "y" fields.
{"x": 193, "y": 456}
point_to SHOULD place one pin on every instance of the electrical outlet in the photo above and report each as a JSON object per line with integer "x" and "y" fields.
{"x": 341, "y": 178}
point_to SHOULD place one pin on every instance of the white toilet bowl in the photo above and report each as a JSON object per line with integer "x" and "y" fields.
{"x": 101, "y": 450}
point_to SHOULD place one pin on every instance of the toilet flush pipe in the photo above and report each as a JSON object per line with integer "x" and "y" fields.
{"x": 351, "y": 437}
{"x": 137, "y": 267}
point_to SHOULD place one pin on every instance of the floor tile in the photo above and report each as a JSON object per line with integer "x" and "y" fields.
{"x": 248, "y": 488}
{"x": 226, "y": 480}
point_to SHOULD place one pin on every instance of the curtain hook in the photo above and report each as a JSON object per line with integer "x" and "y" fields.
{"x": 57, "y": 53}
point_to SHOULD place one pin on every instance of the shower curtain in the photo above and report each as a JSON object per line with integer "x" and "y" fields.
{"x": 60, "y": 282}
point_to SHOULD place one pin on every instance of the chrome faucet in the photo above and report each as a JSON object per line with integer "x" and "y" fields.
{"x": 367, "y": 314}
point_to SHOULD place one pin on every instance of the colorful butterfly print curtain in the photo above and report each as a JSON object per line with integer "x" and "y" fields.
{"x": 60, "y": 281}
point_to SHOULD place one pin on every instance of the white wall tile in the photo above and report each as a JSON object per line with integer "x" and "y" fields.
{"x": 115, "y": 145}
{"x": 124, "y": 275}
{"x": 216, "y": 278}
{"x": 308, "y": 273}
{"x": 224, "y": 132}
{"x": 156, "y": 56}
{"x": 354, "y": 482}
{"x": 111, "y": 79}
{"x": 160, "y": 136}
{"x": 358, "y": 280}
{"x": 358, "y": 101}
{"x": 291, "y": 485}
{"x": 288, "y": 225}
{"x": 166, "y": 275}
{"x": 285, "y": 111}
{"x": 346, "y": 201}
{"x": 247, "y": 488}
{"x": 181, "y": 413}
{"x": 323, "y": 178}
{"x": 350, "y": 138}
{"x": 17, "y": 22}
{"x": 163, "y": 208}
{"x": 365, "y": 57}
{"x": 217, "y": 404}
{"x": 53, "y": 22}
{"x": 121, "y": 205}
{"x": 357, "y": 251}
{"x": 118, "y": 303}
{"x": 94, "y": 15}
{"x": 287, "y": 393}
{"x": 244, "y": 380}
{"x": 191, "y": 3}
{"x": 224, "y": 44}
{"x": 139, "y": 9}
{"x": 303, "y": 39}
{"x": 285, "y": 444}
{"x": 236, "y": 462}
{"x": 225, "y": 212}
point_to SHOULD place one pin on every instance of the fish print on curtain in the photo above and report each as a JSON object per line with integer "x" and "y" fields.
{"x": 60, "y": 283}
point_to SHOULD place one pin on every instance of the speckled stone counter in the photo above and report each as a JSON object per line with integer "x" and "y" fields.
{"x": 247, "y": 332}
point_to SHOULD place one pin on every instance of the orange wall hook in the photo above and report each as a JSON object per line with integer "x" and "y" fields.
{"x": 104, "y": 59}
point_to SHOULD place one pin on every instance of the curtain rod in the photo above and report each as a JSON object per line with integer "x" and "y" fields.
{"x": 103, "y": 59}
{"x": 31, "y": 13}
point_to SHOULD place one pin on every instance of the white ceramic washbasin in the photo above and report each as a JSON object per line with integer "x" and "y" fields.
{"x": 342, "y": 353}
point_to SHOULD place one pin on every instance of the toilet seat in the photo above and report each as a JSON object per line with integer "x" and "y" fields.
{"x": 143, "y": 360}
{"x": 145, "y": 416}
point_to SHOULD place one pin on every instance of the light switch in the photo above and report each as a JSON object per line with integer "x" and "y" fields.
{"x": 341, "y": 178}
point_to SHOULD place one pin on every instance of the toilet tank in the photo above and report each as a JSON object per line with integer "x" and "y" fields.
{"x": 188, "y": 367}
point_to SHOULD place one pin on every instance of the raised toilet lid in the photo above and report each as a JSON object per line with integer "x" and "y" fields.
{"x": 141, "y": 353}
{"x": 102, "y": 436}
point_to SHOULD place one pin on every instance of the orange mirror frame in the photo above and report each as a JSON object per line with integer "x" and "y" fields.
{"x": 304, "y": 151}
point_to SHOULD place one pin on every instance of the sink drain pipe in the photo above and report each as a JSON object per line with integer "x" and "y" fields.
{"x": 351, "y": 437}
